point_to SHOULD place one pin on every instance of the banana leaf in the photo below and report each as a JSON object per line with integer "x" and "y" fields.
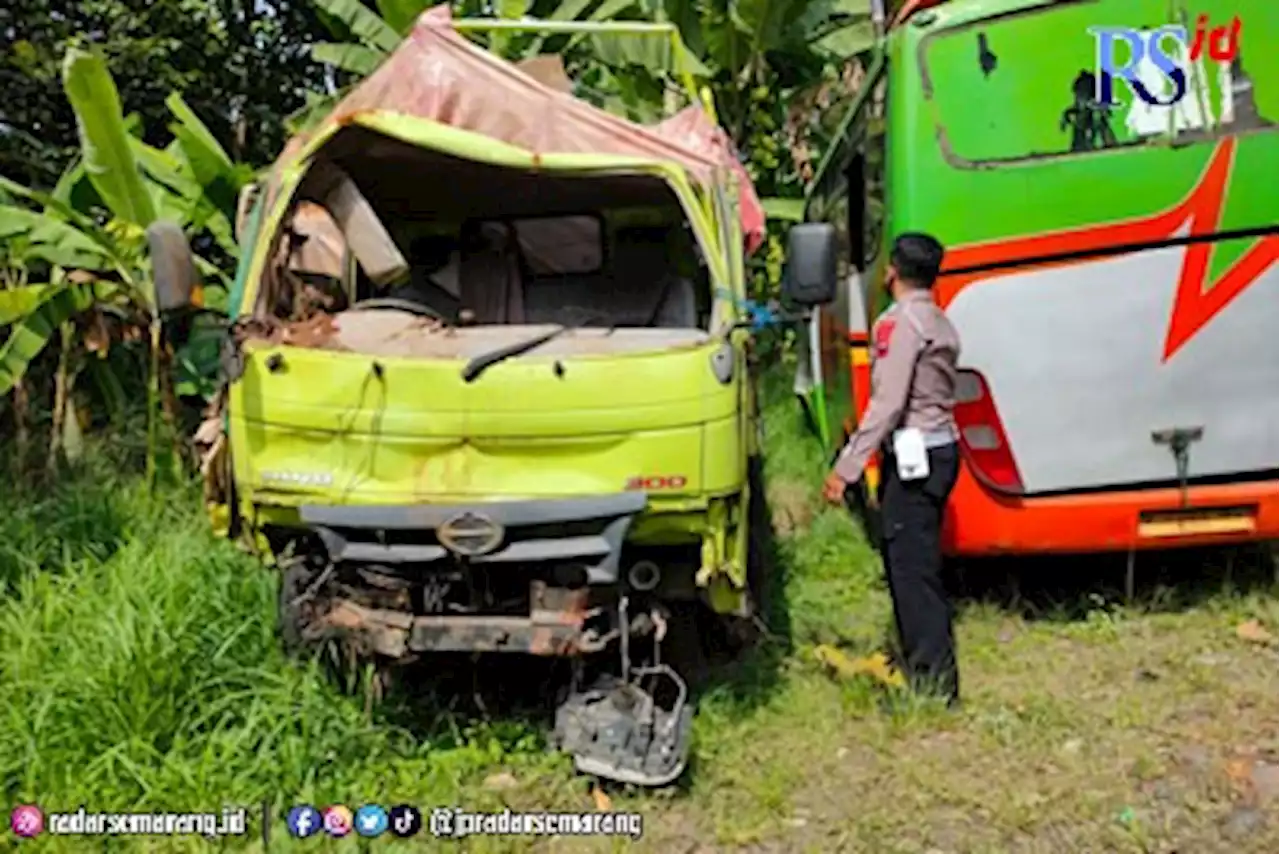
{"x": 786, "y": 210}
{"x": 32, "y": 334}
{"x": 364, "y": 24}
{"x": 104, "y": 139}
{"x": 74, "y": 190}
{"x": 53, "y": 240}
{"x": 355, "y": 58}
{"x": 652, "y": 53}
{"x": 318, "y": 106}
{"x": 180, "y": 197}
{"x": 57, "y": 209}
{"x": 401, "y": 14}
{"x": 211, "y": 156}
{"x": 17, "y": 303}
{"x": 512, "y": 10}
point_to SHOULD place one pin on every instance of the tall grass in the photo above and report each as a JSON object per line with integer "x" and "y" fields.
{"x": 140, "y": 669}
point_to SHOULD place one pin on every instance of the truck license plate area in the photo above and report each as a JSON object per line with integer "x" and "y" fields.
{"x": 1198, "y": 522}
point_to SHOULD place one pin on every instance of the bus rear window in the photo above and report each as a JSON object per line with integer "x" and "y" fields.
{"x": 1023, "y": 85}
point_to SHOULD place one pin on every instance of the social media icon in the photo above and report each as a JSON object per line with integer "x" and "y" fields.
{"x": 303, "y": 821}
{"x": 337, "y": 820}
{"x": 371, "y": 820}
{"x": 405, "y": 820}
{"x": 26, "y": 820}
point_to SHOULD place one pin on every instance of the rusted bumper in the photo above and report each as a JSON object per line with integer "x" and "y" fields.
{"x": 554, "y": 627}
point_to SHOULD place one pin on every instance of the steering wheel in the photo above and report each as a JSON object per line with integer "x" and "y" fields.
{"x": 401, "y": 305}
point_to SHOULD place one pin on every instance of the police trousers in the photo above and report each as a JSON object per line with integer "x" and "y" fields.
{"x": 911, "y": 521}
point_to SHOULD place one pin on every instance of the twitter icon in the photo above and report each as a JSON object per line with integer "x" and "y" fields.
{"x": 371, "y": 820}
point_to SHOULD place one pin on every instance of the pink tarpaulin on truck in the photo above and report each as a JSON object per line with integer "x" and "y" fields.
{"x": 438, "y": 74}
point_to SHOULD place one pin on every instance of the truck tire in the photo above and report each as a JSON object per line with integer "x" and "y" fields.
{"x": 738, "y": 635}
{"x": 294, "y": 580}
{"x": 760, "y": 562}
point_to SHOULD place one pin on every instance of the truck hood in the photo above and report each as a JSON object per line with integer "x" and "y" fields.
{"x": 586, "y": 413}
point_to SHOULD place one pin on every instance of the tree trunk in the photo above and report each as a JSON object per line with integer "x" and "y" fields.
{"x": 21, "y": 433}
{"x": 61, "y": 387}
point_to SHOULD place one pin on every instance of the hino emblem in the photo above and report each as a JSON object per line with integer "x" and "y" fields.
{"x": 470, "y": 534}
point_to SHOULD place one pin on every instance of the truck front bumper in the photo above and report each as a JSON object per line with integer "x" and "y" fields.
{"x": 554, "y": 627}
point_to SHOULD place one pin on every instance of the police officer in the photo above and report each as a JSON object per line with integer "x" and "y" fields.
{"x": 910, "y": 419}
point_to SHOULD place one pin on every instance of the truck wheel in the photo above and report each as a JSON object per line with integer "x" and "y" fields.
{"x": 294, "y": 581}
{"x": 337, "y": 659}
{"x": 760, "y": 562}
{"x": 738, "y": 635}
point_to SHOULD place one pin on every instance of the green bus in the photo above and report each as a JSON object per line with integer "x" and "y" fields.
{"x": 1111, "y": 268}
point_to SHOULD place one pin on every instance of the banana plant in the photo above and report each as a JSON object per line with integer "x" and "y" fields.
{"x": 376, "y": 34}
{"x": 89, "y": 233}
{"x": 741, "y": 48}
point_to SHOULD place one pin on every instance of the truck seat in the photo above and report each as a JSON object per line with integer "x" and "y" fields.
{"x": 637, "y": 288}
{"x": 489, "y": 280}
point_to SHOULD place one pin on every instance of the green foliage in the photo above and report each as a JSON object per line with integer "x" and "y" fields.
{"x": 34, "y": 329}
{"x": 40, "y": 237}
{"x": 363, "y": 23}
{"x": 240, "y": 64}
{"x": 122, "y": 610}
{"x": 88, "y": 236}
{"x": 104, "y": 142}
{"x": 355, "y": 58}
{"x": 401, "y": 14}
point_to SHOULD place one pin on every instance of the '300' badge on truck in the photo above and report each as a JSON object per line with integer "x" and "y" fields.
{"x": 649, "y": 482}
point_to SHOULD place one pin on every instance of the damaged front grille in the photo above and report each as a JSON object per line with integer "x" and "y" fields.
{"x": 504, "y": 576}
{"x": 588, "y": 531}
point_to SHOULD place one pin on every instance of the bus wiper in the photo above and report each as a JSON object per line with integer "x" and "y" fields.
{"x": 477, "y": 366}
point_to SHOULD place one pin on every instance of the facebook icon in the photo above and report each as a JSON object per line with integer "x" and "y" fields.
{"x": 304, "y": 821}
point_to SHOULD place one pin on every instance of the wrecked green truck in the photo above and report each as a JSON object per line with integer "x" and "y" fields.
{"x": 487, "y": 385}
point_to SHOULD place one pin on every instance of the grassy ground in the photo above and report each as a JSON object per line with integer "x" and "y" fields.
{"x": 139, "y": 670}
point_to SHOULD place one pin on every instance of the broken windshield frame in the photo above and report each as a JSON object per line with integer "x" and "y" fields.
{"x": 981, "y": 74}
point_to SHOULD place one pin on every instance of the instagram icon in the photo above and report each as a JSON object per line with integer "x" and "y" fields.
{"x": 337, "y": 820}
{"x": 26, "y": 820}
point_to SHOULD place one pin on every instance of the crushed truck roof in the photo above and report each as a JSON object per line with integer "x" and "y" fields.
{"x": 439, "y": 75}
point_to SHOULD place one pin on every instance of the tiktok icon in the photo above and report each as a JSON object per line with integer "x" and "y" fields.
{"x": 405, "y": 820}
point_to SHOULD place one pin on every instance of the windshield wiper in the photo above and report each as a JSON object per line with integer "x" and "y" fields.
{"x": 477, "y": 366}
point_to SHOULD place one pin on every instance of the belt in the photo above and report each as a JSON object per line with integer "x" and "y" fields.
{"x": 939, "y": 438}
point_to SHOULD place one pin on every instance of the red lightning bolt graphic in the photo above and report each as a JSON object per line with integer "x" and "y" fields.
{"x": 1194, "y": 305}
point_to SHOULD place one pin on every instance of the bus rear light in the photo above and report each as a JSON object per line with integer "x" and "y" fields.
{"x": 969, "y": 388}
{"x": 982, "y": 435}
{"x": 979, "y": 437}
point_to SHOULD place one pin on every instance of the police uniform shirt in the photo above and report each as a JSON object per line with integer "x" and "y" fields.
{"x": 913, "y": 380}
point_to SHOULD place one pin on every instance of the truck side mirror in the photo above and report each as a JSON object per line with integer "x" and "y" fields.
{"x": 173, "y": 267}
{"x": 811, "y": 276}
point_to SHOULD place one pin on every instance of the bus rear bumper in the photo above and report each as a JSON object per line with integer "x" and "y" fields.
{"x": 981, "y": 522}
